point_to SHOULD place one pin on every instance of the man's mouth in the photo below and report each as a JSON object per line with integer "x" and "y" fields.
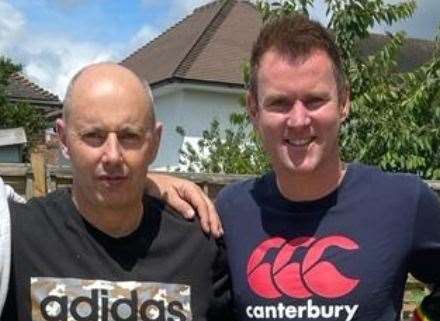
{"x": 112, "y": 179}
{"x": 295, "y": 142}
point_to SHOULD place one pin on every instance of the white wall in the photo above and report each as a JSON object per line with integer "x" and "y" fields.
{"x": 193, "y": 108}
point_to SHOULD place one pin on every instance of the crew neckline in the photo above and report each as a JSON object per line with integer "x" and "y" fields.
{"x": 273, "y": 194}
{"x": 148, "y": 213}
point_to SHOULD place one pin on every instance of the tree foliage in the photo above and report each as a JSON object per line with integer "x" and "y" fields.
{"x": 17, "y": 114}
{"x": 395, "y": 116}
{"x": 236, "y": 150}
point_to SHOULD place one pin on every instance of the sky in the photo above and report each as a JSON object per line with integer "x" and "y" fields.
{"x": 53, "y": 39}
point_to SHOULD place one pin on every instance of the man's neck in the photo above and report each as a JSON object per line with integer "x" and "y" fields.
{"x": 311, "y": 186}
{"x": 113, "y": 221}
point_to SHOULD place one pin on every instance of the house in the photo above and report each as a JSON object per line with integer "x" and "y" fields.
{"x": 21, "y": 89}
{"x": 195, "y": 69}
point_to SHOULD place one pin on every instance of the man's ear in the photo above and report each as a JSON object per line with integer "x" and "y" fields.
{"x": 62, "y": 137}
{"x": 156, "y": 135}
{"x": 252, "y": 107}
{"x": 345, "y": 106}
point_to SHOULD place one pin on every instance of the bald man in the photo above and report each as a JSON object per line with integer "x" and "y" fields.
{"x": 103, "y": 250}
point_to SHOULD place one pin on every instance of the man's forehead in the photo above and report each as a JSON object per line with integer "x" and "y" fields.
{"x": 315, "y": 67}
{"x": 275, "y": 55}
{"x": 91, "y": 124}
{"x": 94, "y": 90}
{"x": 83, "y": 118}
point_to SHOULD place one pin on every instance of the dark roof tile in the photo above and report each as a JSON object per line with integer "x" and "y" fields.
{"x": 159, "y": 59}
{"x": 21, "y": 88}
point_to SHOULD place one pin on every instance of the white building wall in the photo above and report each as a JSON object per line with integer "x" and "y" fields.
{"x": 193, "y": 108}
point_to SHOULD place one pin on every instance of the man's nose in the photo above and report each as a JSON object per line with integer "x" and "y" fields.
{"x": 298, "y": 116}
{"x": 112, "y": 150}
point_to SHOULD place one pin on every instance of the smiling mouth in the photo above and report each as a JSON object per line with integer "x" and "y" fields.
{"x": 299, "y": 142}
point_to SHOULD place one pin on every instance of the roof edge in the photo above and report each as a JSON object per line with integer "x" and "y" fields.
{"x": 194, "y": 81}
{"x": 167, "y": 30}
{"x": 214, "y": 19}
{"x": 35, "y": 101}
{"x": 23, "y": 79}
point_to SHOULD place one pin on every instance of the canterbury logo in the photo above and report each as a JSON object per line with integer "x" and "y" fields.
{"x": 299, "y": 279}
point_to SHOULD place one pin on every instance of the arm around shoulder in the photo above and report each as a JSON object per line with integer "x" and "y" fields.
{"x": 186, "y": 198}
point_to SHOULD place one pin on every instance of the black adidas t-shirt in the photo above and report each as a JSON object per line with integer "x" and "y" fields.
{"x": 65, "y": 269}
{"x": 343, "y": 257}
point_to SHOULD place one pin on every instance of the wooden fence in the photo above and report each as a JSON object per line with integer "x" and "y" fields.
{"x": 37, "y": 179}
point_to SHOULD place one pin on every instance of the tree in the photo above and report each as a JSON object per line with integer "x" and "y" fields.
{"x": 18, "y": 114}
{"x": 237, "y": 150}
{"x": 395, "y": 117}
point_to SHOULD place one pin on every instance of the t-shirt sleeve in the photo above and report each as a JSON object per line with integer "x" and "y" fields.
{"x": 221, "y": 307}
{"x": 425, "y": 254}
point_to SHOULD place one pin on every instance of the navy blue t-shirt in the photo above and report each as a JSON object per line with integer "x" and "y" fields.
{"x": 343, "y": 257}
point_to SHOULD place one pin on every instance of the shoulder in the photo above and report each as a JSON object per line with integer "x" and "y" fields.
{"x": 39, "y": 209}
{"x": 168, "y": 220}
{"x": 235, "y": 192}
{"x": 172, "y": 231}
{"x": 240, "y": 189}
{"x": 244, "y": 197}
{"x": 402, "y": 191}
{"x": 158, "y": 208}
{"x": 57, "y": 197}
{"x": 382, "y": 180}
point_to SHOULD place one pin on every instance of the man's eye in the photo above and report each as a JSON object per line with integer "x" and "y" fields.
{"x": 277, "y": 104}
{"x": 129, "y": 138}
{"x": 315, "y": 103}
{"x": 94, "y": 138}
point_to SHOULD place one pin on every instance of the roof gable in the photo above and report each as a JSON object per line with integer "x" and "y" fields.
{"x": 226, "y": 45}
{"x": 159, "y": 59}
{"x": 211, "y": 44}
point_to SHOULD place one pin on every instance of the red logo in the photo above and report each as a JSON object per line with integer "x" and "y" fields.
{"x": 299, "y": 279}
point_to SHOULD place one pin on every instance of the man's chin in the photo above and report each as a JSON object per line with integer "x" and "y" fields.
{"x": 112, "y": 202}
{"x": 296, "y": 166}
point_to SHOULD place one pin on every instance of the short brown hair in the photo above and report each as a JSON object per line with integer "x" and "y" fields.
{"x": 296, "y": 36}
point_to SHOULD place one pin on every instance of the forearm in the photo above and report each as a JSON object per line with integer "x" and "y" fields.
{"x": 185, "y": 197}
{"x": 12, "y": 195}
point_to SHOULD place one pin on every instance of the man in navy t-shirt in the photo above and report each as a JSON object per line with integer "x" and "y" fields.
{"x": 319, "y": 239}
